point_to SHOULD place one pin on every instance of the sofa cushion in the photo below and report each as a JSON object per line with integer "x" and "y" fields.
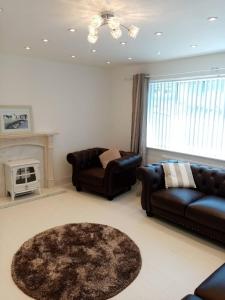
{"x": 213, "y": 288}
{"x": 175, "y": 200}
{"x": 208, "y": 211}
{"x": 108, "y": 156}
{"x": 178, "y": 175}
{"x": 94, "y": 176}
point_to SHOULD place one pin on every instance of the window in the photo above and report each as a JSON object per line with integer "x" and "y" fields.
{"x": 187, "y": 116}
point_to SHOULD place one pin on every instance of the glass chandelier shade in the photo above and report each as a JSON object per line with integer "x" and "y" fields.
{"x": 96, "y": 21}
{"x": 92, "y": 38}
{"x": 116, "y": 33}
{"x": 93, "y": 30}
{"x": 133, "y": 31}
{"x": 108, "y": 18}
{"x": 114, "y": 23}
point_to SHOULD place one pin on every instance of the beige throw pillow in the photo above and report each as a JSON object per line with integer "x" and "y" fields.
{"x": 178, "y": 175}
{"x": 108, "y": 156}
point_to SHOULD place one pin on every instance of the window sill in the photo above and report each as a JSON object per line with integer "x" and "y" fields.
{"x": 169, "y": 155}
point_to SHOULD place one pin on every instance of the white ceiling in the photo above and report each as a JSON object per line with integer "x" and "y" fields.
{"x": 183, "y": 23}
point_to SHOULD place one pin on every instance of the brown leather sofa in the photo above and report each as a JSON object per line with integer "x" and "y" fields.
{"x": 213, "y": 288}
{"x": 118, "y": 177}
{"x": 201, "y": 209}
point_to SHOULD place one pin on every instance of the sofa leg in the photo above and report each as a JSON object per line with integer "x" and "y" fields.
{"x": 149, "y": 213}
{"x": 78, "y": 188}
{"x": 110, "y": 198}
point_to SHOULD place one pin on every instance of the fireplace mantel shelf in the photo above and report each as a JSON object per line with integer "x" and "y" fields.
{"x": 26, "y": 135}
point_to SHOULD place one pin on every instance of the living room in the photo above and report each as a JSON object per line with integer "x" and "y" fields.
{"x": 80, "y": 94}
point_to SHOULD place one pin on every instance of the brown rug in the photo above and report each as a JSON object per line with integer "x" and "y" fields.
{"x": 76, "y": 261}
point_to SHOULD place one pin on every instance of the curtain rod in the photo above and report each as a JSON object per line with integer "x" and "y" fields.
{"x": 213, "y": 71}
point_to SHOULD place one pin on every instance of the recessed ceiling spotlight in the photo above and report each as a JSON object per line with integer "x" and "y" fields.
{"x": 73, "y": 56}
{"x": 194, "y": 46}
{"x": 212, "y": 19}
{"x": 108, "y": 62}
{"x": 130, "y": 58}
{"x": 1, "y": 9}
{"x": 158, "y": 33}
{"x": 158, "y": 53}
{"x": 93, "y": 50}
{"x": 27, "y": 48}
{"x": 45, "y": 40}
{"x": 123, "y": 43}
{"x": 72, "y": 29}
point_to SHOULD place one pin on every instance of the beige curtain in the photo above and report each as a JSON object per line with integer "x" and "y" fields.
{"x": 139, "y": 114}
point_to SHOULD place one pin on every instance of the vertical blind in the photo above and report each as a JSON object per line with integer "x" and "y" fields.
{"x": 187, "y": 116}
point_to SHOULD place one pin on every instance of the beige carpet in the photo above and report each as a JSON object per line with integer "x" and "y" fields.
{"x": 174, "y": 261}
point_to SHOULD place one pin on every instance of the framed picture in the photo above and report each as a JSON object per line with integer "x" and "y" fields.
{"x": 15, "y": 119}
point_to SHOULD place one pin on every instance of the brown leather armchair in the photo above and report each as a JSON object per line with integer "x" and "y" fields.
{"x": 118, "y": 177}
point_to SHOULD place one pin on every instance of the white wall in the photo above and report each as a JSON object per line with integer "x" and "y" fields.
{"x": 70, "y": 99}
{"x": 122, "y": 95}
{"x": 88, "y": 106}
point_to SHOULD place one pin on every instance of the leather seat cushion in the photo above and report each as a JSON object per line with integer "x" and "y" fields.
{"x": 175, "y": 200}
{"x": 213, "y": 288}
{"x": 208, "y": 211}
{"x": 93, "y": 176}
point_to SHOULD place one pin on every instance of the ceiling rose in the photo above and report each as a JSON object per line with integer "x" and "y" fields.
{"x": 113, "y": 22}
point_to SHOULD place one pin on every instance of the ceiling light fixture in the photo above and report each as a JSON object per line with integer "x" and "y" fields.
{"x": 158, "y": 53}
{"x": 93, "y": 50}
{"x": 108, "y": 62}
{"x": 113, "y": 22}
{"x": 73, "y": 56}
{"x": 123, "y": 43}
{"x": 45, "y": 40}
{"x": 212, "y": 19}
{"x": 130, "y": 58}
{"x": 72, "y": 29}
{"x": 1, "y": 10}
{"x": 27, "y": 48}
{"x": 194, "y": 46}
{"x": 158, "y": 33}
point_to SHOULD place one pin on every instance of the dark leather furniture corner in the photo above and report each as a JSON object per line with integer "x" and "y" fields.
{"x": 201, "y": 209}
{"x": 213, "y": 288}
{"x": 118, "y": 177}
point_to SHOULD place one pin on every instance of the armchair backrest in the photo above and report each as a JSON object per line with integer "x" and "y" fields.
{"x": 90, "y": 157}
{"x": 85, "y": 158}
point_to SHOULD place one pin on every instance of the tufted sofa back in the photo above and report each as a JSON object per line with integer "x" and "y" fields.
{"x": 209, "y": 180}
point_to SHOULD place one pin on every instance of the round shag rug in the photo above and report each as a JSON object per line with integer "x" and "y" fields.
{"x": 76, "y": 261}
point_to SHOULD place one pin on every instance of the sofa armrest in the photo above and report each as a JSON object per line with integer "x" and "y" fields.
{"x": 121, "y": 172}
{"x": 152, "y": 179}
{"x": 126, "y": 162}
{"x": 214, "y": 286}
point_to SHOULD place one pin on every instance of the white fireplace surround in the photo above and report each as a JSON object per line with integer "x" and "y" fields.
{"x": 10, "y": 149}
